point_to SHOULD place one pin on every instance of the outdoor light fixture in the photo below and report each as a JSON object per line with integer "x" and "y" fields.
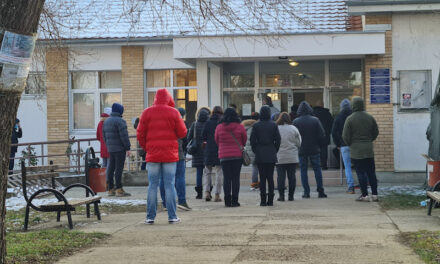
{"x": 293, "y": 63}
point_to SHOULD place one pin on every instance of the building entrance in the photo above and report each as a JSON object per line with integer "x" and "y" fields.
{"x": 284, "y": 99}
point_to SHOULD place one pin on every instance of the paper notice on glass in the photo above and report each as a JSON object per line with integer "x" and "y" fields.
{"x": 406, "y": 99}
{"x": 246, "y": 109}
{"x": 16, "y": 48}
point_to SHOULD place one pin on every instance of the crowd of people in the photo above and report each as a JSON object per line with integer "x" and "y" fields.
{"x": 220, "y": 143}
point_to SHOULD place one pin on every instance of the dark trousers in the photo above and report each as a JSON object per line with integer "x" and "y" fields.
{"x": 266, "y": 174}
{"x": 282, "y": 170}
{"x": 114, "y": 168}
{"x": 11, "y": 161}
{"x": 324, "y": 156}
{"x": 366, "y": 172}
{"x": 231, "y": 179}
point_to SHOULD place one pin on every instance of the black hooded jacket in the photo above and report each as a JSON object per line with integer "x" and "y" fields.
{"x": 326, "y": 119}
{"x": 311, "y": 130}
{"x": 197, "y": 159}
{"x": 265, "y": 138}
{"x": 338, "y": 125}
{"x": 211, "y": 148}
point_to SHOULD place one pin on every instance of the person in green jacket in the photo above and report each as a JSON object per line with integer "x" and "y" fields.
{"x": 360, "y": 130}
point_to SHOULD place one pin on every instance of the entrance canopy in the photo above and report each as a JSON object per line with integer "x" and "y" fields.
{"x": 328, "y": 44}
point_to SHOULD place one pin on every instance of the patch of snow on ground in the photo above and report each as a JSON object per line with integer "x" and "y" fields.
{"x": 402, "y": 189}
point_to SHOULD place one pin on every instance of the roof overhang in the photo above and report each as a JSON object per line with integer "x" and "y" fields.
{"x": 356, "y": 8}
{"x": 301, "y": 45}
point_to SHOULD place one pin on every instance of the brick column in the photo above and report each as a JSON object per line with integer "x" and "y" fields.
{"x": 132, "y": 85}
{"x": 57, "y": 102}
{"x": 383, "y": 113}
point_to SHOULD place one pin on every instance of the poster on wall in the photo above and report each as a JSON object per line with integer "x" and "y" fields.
{"x": 246, "y": 109}
{"x": 406, "y": 99}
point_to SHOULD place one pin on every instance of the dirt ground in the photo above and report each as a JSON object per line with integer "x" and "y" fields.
{"x": 332, "y": 230}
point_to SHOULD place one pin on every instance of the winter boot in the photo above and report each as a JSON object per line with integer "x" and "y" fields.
{"x": 263, "y": 199}
{"x": 217, "y": 198}
{"x": 227, "y": 200}
{"x": 270, "y": 199}
{"x": 199, "y": 192}
{"x": 234, "y": 202}
{"x": 208, "y": 196}
{"x": 281, "y": 198}
{"x": 291, "y": 192}
{"x": 321, "y": 193}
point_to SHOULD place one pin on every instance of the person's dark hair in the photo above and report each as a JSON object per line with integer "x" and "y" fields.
{"x": 217, "y": 110}
{"x": 284, "y": 119}
{"x": 294, "y": 108}
{"x": 268, "y": 100}
{"x": 136, "y": 123}
{"x": 230, "y": 116}
{"x": 233, "y": 106}
{"x": 255, "y": 116}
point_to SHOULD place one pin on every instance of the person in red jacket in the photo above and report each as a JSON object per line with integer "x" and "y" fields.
{"x": 159, "y": 128}
{"x": 231, "y": 138}
{"x": 104, "y": 151}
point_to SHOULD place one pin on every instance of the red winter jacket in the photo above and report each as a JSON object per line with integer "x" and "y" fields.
{"x": 227, "y": 147}
{"x": 159, "y": 128}
{"x": 104, "y": 151}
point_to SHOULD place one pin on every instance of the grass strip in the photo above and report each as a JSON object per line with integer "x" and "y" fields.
{"x": 425, "y": 243}
{"x": 401, "y": 201}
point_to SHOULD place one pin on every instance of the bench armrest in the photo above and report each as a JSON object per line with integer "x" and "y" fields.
{"x": 80, "y": 185}
{"x": 57, "y": 194}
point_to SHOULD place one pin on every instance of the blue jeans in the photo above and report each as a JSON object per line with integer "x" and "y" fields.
{"x": 316, "y": 164}
{"x": 345, "y": 153}
{"x": 199, "y": 175}
{"x": 166, "y": 172}
{"x": 180, "y": 184}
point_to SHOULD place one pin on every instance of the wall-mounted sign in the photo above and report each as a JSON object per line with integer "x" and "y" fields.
{"x": 380, "y": 86}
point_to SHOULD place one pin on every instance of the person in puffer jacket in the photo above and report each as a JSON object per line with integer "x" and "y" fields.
{"x": 196, "y": 130}
{"x": 313, "y": 137}
{"x": 230, "y": 137}
{"x": 248, "y": 124}
{"x": 115, "y": 135}
{"x": 159, "y": 128}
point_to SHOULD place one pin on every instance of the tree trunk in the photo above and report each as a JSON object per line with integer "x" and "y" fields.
{"x": 17, "y": 16}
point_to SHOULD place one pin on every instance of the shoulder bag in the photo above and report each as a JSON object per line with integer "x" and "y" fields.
{"x": 244, "y": 154}
{"x": 193, "y": 146}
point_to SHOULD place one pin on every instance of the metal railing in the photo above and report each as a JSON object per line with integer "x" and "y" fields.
{"x": 73, "y": 154}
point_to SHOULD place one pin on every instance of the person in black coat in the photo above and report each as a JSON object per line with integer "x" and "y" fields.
{"x": 17, "y": 133}
{"x": 212, "y": 162}
{"x": 313, "y": 136}
{"x": 326, "y": 118}
{"x": 198, "y": 158}
{"x": 265, "y": 143}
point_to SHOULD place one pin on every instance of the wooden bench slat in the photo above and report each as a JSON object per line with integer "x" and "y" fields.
{"x": 42, "y": 168}
{"x": 39, "y": 176}
{"x": 434, "y": 195}
{"x": 73, "y": 202}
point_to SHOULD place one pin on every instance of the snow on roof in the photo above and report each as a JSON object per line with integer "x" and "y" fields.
{"x": 91, "y": 19}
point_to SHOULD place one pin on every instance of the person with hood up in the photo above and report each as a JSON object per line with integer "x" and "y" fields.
{"x": 248, "y": 124}
{"x": 313, "y": 136}
{"x": 212, "y": 163}
{"x": 115, "y": 136}
{"x": 337, "y": 128}
{"x": 195, "y": 131}
{"x": 268, "y": 101}
{"x": 265, "y": 142}
{"x": 160, "y": 126}
{"x": 326, "y": 119}
{"x": 287, "y": 155}
{"x": 360, "y": 130}
{"x": 17, "y": 133}
{"x": 104, "y": 152}
{"x": 230, "y": 137}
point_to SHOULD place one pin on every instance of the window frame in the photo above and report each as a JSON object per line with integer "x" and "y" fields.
{"x": 96, "y": 99}
{"x": 43, "y": 95}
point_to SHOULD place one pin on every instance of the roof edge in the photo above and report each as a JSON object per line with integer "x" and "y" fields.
{"x": 389, "y": 2}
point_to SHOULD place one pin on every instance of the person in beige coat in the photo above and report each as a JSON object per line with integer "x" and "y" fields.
{"x": 287, "y": 155}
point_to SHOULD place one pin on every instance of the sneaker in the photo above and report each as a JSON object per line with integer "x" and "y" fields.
{"x": 363, "y": 199}
{"x": 374, "y": 198}
{"x": 184, "y": 206}
{"x": 121, "y": 193}
{"x": 149, "y": 221}
{"x": 111, "y": 192}
{"x": 350, "y": 190}
{"x": 174, "y": 221}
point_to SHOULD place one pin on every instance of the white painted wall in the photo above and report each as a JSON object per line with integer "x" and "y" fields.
{"x": 416, "y": 39}
{"x": 95, "y": 58}
{"x": 161, "y": 57}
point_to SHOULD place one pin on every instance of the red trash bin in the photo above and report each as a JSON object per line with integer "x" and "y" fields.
{"x": 97, "y": 179}
{"x": 433, "y": 172}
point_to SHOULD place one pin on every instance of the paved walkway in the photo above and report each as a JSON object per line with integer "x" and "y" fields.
{"x": 333, "y": 230}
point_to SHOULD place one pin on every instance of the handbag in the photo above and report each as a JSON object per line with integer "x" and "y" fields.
{"x": 193, "y": 146}
{"x": 244, "y": 154}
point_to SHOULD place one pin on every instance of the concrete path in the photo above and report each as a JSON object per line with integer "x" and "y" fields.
{"x": 333, "y": 230}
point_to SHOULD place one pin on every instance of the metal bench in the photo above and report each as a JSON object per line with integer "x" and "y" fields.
{"x": 28, "y": 174}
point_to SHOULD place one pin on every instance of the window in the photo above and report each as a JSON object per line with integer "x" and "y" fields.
{"x": 308, "y": 74}
{"x": 414, "y": 89}
{"x": 182, "y": 85}
{"x": 238, "y": 75}
{"x": 35, "y": 84}
{"x": 91, "y": 92}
